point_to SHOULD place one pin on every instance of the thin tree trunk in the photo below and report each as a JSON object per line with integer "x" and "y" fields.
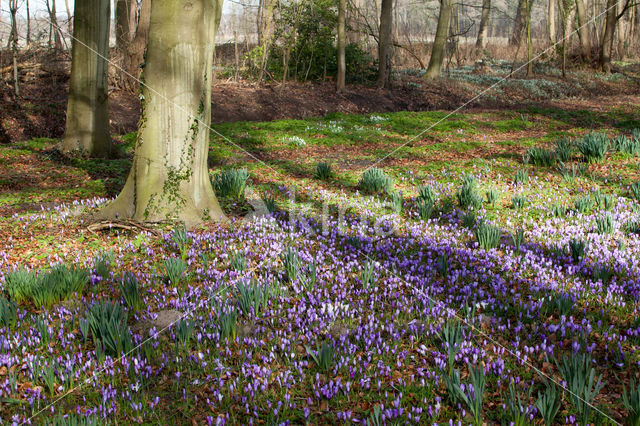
{"x": 384, "y": 44}
{"x": 484, "y": 25}
{"x": 342, "y": 38}
{"x": 28, "y": 25}
{"x": 87, "y": 128}
{"x": 583, "y": 30}
{"x": 551, "y": 24}
{"x": 529, "y": 41}
{"x": 56, "y": 30}
{"x": 607, "y": 35}
{"x": 13, "y": 39}
{"x": 69, "y": 20}
{"x": 169, "y": 177}
{"x": 434, "y": 69}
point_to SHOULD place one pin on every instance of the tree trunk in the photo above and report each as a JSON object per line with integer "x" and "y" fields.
{"x": 607, "y": 35}
{"x": 434, "y": 68}
{"x": 529, "y": 41}
{"x": 484, "y": 25}
{"x": 123, "y": 31}
{"x": 519, "y": 24}
{"x": 56, "y": 30}
{"x": 384, "y": 44}
{"x": 551, "y": 24}
{"x": 87, "y": 128}
{"x": 135, "y": 51}
{"x": 342, "y": 38}
{"x": 70, "y": 21}
{"x": 13, "y": 39}
{"x": 169, "y": 177}
{"x": 583, "y": 30}
{"x": 28, "y": 40}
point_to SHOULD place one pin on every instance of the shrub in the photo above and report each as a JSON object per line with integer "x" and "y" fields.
{"x": 323, "y": 171}
{"x": 231, "y": 183}
{"x": 488, "y": 236}
{"x": 374, "y": 181}
{"x": 594, "y": 147}
{"x": 564, "y": 149}
{"x": 541, "y": 157}
{"x": 107, "y": 322}
{"x": 518, "y": 202}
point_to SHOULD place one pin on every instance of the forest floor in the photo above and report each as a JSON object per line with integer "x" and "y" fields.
{"x": 496, "y": 278}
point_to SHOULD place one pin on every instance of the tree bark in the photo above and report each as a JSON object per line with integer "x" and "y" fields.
{"x": 70, "y": 21}
{"x": 169, "y": 177}
{"x": 384, "y": 44}
{"x": 136, "y": 48}
{"x": 342, "y": 38}
{"x": 607, "y": 35}
{"x": 28, "y": 40}
{"x": 434, "y": 69}
{"x": 551, "y": 22}
{"x": 484, "y": 25}
{"x": 583, "y": 30}
{"x": 123, "y": 32}
{"x": 519, "y": 24}
{"x": 13, "y": 41}
{"x": 87, "y": 127}
{"x": 54, "y": 23}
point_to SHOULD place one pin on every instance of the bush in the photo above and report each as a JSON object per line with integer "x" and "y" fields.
{"x": 374, "y": 181}
{"x": 488, "y": 236}
{"x": 541, "y": 157}
{"x": 594, "y": 147}
{"x": 231, "y": 183}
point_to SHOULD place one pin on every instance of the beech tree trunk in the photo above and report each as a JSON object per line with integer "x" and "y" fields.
{"x": 135, "y": 50}
{"x": 551, "y": 24}
{"x": 483, "y": 29}
{"x": 384, "y": 44}
{"x": 434, "y": 69}
{"x": 28, "y": 40}
{"x": 607, "y": 36}
{"x": 583, "y": 29}
{"x": 342, "y": 38}
{"x": 519, "y": 24}
{"x": 169, "y": 177}
{"x": 87, "y": 128}
{"x": 122, "y": 25}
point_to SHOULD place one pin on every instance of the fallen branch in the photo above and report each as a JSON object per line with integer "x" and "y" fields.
{"x": 129, "y": 225}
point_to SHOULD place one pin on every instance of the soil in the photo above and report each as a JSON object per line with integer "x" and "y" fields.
{"x": 40, "y": 111}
